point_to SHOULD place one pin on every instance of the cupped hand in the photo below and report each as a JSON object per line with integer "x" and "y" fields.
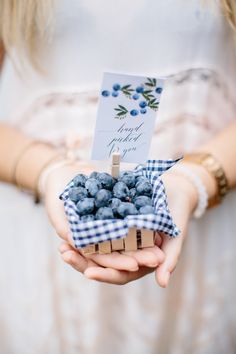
{"x": 119, "y": 267}
{"x": 114, "y": 268}
{"x": 162, "y": 258}
{"x": 123, "y": 267}
{"x": 182, "y": 199}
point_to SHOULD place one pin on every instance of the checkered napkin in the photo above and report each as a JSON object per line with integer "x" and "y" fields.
{"x": 91, "y": 232}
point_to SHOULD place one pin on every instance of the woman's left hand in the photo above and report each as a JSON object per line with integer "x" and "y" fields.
{"x": 117, "y": 268}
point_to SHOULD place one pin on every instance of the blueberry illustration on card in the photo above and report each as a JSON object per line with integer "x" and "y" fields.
{"x": 127, "y": 110}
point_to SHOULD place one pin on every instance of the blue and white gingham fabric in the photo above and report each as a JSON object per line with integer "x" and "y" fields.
{"x": 92, "y": 232}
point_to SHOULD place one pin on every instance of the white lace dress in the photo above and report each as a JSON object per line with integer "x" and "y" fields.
{"x": 45, "y": 306}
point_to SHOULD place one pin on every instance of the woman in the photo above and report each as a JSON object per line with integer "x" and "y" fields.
{"x": 49, "y": 89}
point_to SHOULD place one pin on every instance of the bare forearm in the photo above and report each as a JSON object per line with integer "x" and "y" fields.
{"x": 12, "y": 144}
{"x": 2, "y": 54}
{"x": 223, "y": 148}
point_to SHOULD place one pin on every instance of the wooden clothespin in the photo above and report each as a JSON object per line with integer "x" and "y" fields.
{"x": 118, "y": 244}
{"x": 115, "y": 164}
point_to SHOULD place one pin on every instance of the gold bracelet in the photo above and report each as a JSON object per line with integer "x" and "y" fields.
{"x": 213, "y": 167}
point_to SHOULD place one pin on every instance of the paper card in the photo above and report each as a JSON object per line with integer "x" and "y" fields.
{"x": 126, "y": 116}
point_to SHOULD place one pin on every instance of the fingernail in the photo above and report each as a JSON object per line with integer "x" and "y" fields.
{"x": 88, "y": 275}
{"x": 60, "y": 250}
{"x": 167, "y": 278}
{"x": 66, "y": 258}
{"x": 152, "y": 265}
{"x": 134, "y": 269}
{"x": 70, "y": 235}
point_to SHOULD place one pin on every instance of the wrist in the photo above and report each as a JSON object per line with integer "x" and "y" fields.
{"x": 26, "y": 175}
{"x": 201, "y": 185}
{"x": 182, "y": 186}
{"x": 208, "y": 181}
{"x": 215, "y": 172}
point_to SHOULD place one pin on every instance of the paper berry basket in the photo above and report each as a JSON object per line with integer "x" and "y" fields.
{"x": 132, "y": 232}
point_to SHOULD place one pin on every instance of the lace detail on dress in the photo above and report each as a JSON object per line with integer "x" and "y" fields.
{"x": 198, "y": 97}
{"x": 63, "y": 117}
{"x": 58, "y": 100}
{"x": 203, "y": 75}
{"x": 198, "y": 74}
{"x": 196, "y": 102}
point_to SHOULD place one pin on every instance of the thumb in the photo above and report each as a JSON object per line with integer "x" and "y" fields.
{"x": 172, "y": 249}
{"x": 56, "y": 214}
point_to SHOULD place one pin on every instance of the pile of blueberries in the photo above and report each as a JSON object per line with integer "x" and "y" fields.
{"x": 101, "y": 196}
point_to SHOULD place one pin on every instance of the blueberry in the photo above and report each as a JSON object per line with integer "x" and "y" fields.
{"x": 147, "y": 209}
{"x": 116, "y": 87}
{"x": 92, "y": 185}
{"x": 128, "y": 178}
{"x": 134, "y": 112}
{"x": 105, "y": 93}
{"x": 113, "y": 204}
{"x": 85, "y": 206}
{"x": 77, "y": 193}
{"x": 132, "y": 193}
{"x": 102, "y": 198}
{"x": 135, "y": 96}
{"x": 159, "y": 90}
{"x": 143, "y": 111}
{"x": 139, "y": 89}
{"x": 120, "y": 190}
{"x": 141, "y": 178}
{"x": 115, "y": 94}
{"x": 94, "y": 174}
{"x": 141, "y": 201}
{"x": 126, "y": 208}
{"x": 142, "y": 104}
{"x": 88, "y": 217}
{"x": 104, "y": 213}
{"x": 106, "y": 180}
{"x": 79, "y": 180}
{"x": 144, "y": 188}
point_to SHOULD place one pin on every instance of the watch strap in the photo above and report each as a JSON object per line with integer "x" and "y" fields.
{"x": 214, "y": 168}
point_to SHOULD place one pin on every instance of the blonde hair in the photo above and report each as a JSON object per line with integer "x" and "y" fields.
{"x": 23, "y": 23}
{"x": 27, "y": 21}
{"x": 229, "y": 10}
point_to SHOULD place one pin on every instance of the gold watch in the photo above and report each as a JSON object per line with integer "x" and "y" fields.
{"x": 214, "y": 168}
